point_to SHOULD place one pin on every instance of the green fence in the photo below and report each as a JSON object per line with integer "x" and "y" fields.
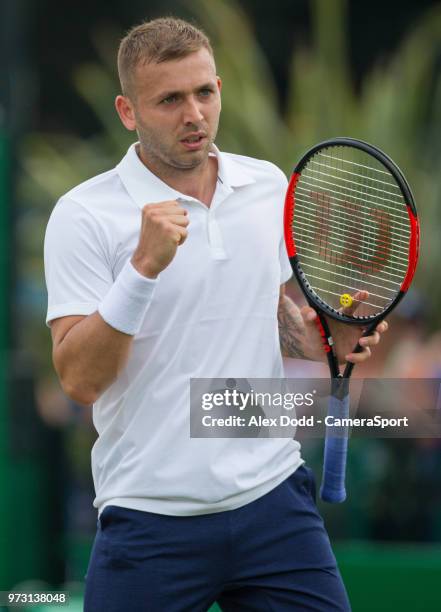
{"x": 5, "y": 467}
{"x": 27, "y": 523}
{"x": 384, "y": 577}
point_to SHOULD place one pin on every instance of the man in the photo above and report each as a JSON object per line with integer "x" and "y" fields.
{"x": 170, "y": 267}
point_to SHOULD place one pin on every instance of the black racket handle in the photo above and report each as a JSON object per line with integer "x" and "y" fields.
{"x": 350, "y": 366}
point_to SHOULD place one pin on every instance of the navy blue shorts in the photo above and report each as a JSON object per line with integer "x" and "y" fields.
{"x": 272, "y": 554}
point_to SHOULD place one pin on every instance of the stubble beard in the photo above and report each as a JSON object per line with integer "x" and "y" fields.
{"x": 161, "y": 156}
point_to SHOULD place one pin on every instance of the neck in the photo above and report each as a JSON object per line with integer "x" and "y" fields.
{"x": 198, "y": 182}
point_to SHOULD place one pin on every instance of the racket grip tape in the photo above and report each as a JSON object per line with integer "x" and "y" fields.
{"x": 336, "y": 448}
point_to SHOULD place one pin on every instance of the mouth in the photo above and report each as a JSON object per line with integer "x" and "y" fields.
{"x": 194, "y": 141}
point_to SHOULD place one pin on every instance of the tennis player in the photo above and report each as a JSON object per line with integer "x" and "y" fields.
{"x": 168, "y": 267}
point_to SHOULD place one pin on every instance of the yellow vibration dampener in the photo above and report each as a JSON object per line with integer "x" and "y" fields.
{"x": 346, "y": 300}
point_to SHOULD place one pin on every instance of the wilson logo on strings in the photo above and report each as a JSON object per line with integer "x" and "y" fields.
{"x": 338, "y": 240}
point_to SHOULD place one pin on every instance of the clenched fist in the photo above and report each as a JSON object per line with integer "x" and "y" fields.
{"x": 163, "y": 229}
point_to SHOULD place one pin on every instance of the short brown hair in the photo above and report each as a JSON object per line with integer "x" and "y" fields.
{"x": 159, "y": 40}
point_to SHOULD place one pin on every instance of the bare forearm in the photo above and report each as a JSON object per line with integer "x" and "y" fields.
{"x": 90, "y": 357}
{"x": 292, "y": 331}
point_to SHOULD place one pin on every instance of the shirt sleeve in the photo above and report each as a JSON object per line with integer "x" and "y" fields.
{"x": 285, "y": 265}
{"x": 77, "y": 267}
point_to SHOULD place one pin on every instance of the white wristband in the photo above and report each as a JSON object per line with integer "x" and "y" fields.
{"x": 125, "y": 305}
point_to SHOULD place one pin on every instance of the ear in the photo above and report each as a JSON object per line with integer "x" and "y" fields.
{"x": 219, "y": 87}
{"x": 126, "y": 112}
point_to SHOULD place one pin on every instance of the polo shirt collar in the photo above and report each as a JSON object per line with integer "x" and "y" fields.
{"x": 143, "y": 186}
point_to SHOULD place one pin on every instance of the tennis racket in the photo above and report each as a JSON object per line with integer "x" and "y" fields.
{"x": 352, "y": 236}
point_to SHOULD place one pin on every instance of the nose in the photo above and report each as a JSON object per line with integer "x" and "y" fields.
{"x": 192, "y": 111}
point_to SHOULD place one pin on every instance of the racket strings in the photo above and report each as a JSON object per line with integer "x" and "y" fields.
{"x": 383, "y": 287}
{"x": 351, "y": 229}
{"x": 396, "y": 189}
{"x": 345, "y": 191}
{"x": 379, "y": 188}
{"x": 381, "y": 253}
{"x": 396, "y": 277}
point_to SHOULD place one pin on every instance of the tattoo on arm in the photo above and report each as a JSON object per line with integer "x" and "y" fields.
{"x": 291, "y": 329}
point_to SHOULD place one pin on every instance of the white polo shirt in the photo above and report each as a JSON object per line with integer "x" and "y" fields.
{"x": 213, "y": 315}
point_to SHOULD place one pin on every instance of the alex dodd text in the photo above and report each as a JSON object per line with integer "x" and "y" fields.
{"x": 304, "y": 421}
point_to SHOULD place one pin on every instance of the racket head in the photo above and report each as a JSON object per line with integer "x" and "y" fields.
{"x": 351, "y": 225}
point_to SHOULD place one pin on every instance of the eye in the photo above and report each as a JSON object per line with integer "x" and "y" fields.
{"x": 205, "y": 92}
{"x": 170, "y": 99}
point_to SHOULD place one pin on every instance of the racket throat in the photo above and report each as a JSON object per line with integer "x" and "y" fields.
{"x": 340, "y": 387}
{"x": 328, "y": 344}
